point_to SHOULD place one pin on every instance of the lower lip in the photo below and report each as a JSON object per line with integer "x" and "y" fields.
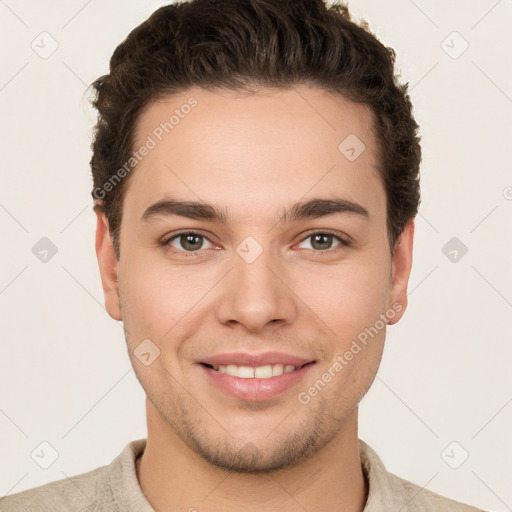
{"x": 255, "y": 390}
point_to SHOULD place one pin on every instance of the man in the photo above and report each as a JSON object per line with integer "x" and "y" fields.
{"x": 255, "y": 169}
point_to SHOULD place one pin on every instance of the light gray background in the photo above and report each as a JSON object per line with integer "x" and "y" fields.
{"x": 65, "y": 376}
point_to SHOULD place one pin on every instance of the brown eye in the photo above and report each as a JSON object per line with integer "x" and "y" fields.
{"x": 186, "y": 242}
{"x": 323, "y": 241}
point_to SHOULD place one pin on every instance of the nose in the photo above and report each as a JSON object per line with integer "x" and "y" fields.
{"x": 257, "y": 294}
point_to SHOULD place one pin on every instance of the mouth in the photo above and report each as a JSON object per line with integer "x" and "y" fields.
{"x": 255, "y": 378}
{"x": 256, "y": 372}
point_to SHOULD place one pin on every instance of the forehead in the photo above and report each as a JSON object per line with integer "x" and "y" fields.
{"x": 252, "y": 151}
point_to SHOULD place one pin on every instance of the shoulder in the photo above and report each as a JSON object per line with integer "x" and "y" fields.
{"x": 73, "y": 494}
{"x": 388, "y": 491}
{"x": 415, "y": 498}
{"x": 112, "y": 487}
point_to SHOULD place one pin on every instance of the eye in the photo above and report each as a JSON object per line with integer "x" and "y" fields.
{"x": 321, "y": 241}
{"x": 188, "y": 241}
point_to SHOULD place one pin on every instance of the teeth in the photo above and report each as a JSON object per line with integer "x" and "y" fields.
{"x": 277, "y": 370}
{"x": 245, "y": 372}
{"x": 261, "y": 372}
{"x": 231, "y": 369}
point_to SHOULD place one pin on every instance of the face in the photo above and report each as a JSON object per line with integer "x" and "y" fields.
{"x": 249, "y": 282}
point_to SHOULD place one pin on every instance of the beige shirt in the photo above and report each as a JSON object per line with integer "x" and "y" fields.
{"x": 115, "y": 488}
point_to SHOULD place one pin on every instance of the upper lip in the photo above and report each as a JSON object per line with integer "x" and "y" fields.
{"x": 255, "y": 360}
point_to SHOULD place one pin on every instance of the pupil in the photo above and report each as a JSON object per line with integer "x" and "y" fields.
{"x": 188, "y": 239}
{"x": 319, "y": 237}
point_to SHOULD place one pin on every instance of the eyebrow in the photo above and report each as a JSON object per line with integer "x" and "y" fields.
{"x": 315, "y": 208}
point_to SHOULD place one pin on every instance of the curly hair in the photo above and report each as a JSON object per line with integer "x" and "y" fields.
{"x": 243, "y": 45}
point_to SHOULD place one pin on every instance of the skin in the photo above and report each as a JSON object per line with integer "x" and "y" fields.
{"x": 254, "y": 156}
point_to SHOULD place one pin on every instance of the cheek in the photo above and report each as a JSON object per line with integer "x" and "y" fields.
{"x": 359, "y": 372}
{"x": 348, "y": 298}
{"x": 146, "y": 298}
{"x": 159, "y": 300}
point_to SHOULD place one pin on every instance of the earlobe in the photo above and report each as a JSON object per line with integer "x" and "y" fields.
{"x": 108, "y": 266}
{"x": 401, "y": 270}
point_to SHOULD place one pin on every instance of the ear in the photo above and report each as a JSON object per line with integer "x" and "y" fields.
{"x": 400, "y": 272}
{"x": 108, "y": 266}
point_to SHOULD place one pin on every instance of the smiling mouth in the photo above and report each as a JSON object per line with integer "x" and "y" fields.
{"x": 259, "y": 372}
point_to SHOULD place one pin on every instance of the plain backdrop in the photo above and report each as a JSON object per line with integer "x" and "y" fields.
{"x": 444, "y": 388}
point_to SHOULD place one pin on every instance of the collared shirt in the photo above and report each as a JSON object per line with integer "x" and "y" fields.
{"x": 115, "y": 488}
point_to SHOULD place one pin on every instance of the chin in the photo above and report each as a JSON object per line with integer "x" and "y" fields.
{"x": 272, "y": 452}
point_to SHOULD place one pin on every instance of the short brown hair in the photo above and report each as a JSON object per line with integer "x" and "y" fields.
{"x": 244, "y": 44}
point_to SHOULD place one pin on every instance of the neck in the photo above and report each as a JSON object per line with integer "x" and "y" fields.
{"x": 174, "y": 477}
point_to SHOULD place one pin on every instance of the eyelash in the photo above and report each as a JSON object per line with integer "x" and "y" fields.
{"x": 164, "y": 243}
